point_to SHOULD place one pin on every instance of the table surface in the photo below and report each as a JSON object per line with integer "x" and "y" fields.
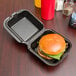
{"x": 15, "y": 58}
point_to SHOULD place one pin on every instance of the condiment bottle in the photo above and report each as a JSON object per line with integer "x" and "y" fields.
{"x": 37, "y": 3}
{"x": 68, "y": 7}
{"x": 59, "y": 5}
{"x": 47, "y": 9}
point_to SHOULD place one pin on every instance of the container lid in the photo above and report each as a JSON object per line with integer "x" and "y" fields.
{"x": 23, "y": 26}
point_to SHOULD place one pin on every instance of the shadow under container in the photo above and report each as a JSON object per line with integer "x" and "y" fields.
{"x": 27, "y": 29}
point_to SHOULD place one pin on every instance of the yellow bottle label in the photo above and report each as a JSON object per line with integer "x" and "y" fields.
{"x": 38, "y": 3}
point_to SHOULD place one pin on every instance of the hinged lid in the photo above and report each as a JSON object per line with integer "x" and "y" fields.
{"x": 23, "y": 26}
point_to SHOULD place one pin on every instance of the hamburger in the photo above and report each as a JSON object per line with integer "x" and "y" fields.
{"x": 51, "y": 46}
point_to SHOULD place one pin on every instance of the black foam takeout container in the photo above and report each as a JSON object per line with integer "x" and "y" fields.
{"x": 27, "y": 29}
